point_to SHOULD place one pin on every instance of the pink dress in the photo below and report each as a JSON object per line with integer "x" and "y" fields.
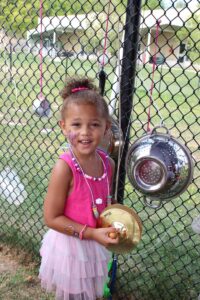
{"x": 77, "y": 269}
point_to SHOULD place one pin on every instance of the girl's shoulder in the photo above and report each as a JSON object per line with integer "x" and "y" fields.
{"x": 62, "y": 163}
{"x": 61, "y": 174}
{"x": 63, "y": 166}
{"x": 67, "y": 158}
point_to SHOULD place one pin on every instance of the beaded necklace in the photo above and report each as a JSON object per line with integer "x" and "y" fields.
{"x": 86, "y": 177}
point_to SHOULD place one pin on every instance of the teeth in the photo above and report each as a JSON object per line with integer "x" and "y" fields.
{"x": 85, "y": 142}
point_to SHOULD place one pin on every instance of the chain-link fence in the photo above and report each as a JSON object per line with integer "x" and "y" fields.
{"x": 42, "y": 45}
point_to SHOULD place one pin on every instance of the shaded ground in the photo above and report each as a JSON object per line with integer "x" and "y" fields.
{"x": 19, "y": 276}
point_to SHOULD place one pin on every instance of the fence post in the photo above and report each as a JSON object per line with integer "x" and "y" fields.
{"x": 129, "y": 62}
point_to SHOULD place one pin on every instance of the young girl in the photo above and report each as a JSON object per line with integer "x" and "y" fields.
{"x": 74, "y": 254}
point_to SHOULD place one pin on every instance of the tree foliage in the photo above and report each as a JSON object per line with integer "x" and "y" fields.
{"x": 151, "y": 4}
{"x": 190, "y": 35}
{"x": 18, "y": 16}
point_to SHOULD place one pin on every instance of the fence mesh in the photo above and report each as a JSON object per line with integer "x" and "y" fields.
{"x": 75, "y": 35}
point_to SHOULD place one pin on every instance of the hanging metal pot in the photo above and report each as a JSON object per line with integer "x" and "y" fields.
{"x": 113, "y": 140}
{"x": 159, "y": 167}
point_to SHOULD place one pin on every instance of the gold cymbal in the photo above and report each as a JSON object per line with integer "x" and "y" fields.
{"x": 113, "y": 139}
{"x": 128, "y": 224}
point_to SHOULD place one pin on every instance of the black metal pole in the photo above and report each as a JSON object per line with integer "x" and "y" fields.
{"x": 128, "y": 71}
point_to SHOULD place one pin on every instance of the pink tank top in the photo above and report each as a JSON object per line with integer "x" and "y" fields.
{"x": 78, "y": 205}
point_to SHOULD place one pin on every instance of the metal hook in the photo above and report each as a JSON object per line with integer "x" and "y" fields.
{"x": 149, "y": 202}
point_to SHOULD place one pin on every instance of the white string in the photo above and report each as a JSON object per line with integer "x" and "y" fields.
{"x": 120, "y": 151}
{"x": 104, "y": 166}
{"x": 120, "y": 154}
{"x": 157, "y": 109}
{"x": 121, "y": 143}
{"x": 84, "y": 175}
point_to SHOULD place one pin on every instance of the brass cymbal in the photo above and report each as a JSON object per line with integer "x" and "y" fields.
{"x": 113, "y": 140}
{"x": 128, "y": 224}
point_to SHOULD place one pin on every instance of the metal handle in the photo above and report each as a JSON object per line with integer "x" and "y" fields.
{"x": 154, "y": 130}
{"x": 151, "y": 202}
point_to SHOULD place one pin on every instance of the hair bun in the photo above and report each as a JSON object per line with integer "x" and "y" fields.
{"x": 77, "y": 84}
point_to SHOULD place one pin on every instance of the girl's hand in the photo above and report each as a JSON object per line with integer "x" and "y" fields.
{"x": 105, "y": 236}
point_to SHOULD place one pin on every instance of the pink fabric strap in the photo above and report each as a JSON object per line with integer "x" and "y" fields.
{"x": 78, "y": 89}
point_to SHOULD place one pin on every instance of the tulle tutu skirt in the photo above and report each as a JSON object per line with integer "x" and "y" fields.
{"x": 75, "y": 269}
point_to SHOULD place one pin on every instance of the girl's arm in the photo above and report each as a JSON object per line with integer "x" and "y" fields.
{"x": 59, "y": 187}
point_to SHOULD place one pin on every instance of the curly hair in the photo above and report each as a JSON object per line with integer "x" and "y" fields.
{"x": 79, "y": 91}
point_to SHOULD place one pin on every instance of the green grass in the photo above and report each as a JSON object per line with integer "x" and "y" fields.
{"x": 165, "y": 263}
{"x": 167, "y": 258}
{"x": 19, "y": 276}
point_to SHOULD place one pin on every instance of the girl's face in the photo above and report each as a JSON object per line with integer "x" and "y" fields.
{"x": 84, "y": 127}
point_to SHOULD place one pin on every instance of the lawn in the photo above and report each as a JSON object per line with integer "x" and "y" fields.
{"x": 167, "y": 259}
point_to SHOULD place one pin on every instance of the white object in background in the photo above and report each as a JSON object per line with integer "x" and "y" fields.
{"x": 11, "y": 187}
{"x": 41, "y": 106}
{"x": 196, "y": 228}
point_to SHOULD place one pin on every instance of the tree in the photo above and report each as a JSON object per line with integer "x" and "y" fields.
{"x": 19, "y": 16}
{"x": 94, "y": 37}
{"x": 180, "y": 4}
{"x": 151, "y": 4}
{"x": 190, "y": 35}
{"x": 16, "y": 17}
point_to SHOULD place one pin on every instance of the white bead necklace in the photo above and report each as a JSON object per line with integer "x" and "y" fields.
{"x": 86, "y": 177}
